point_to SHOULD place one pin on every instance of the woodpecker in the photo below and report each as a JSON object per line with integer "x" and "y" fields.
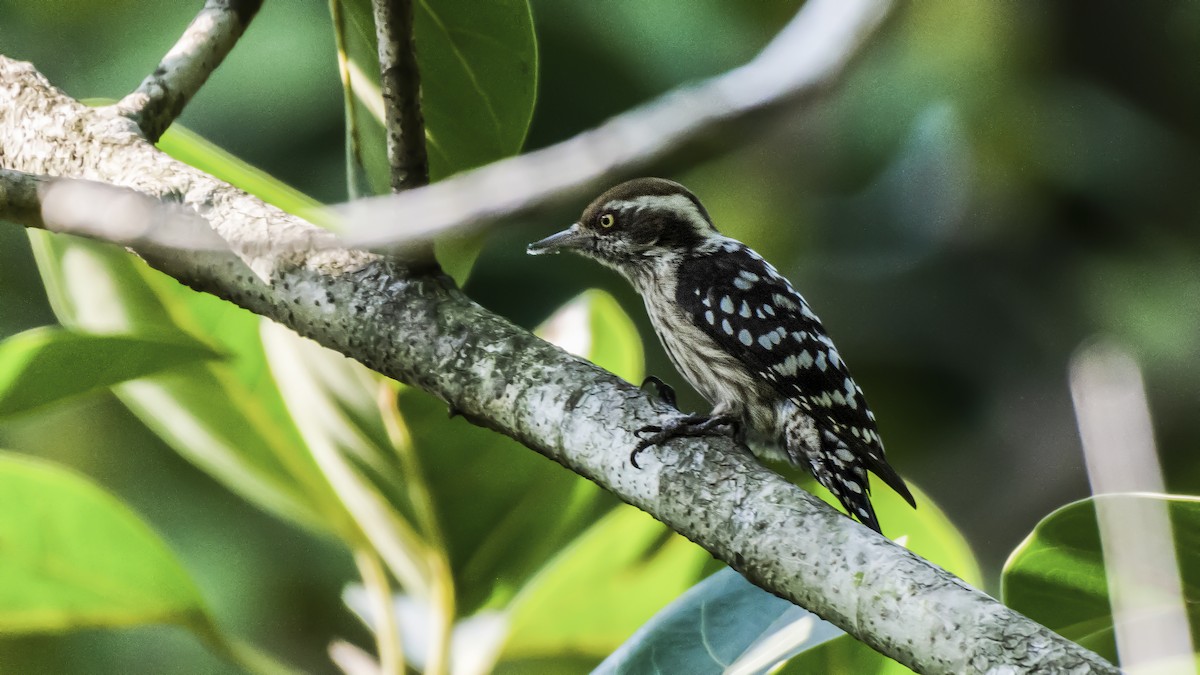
{"x": 740, "y": 334}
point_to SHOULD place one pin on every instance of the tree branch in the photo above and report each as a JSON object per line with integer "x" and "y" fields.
{"x": 424, "y": 331}
{"x": 400, "y": 81}
{"x": 160, "y": 98}
{"x": 715, "y": 115}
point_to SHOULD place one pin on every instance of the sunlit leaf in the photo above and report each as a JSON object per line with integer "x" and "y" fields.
{"x": 594, "y": 326}
{"x": 622, "y": 570}
{"x": 723, "y": 622}
{"x": 75, "y": 557}
{"x": 46, "y": 365}
{"x": 1057, "y": 576}
{"x": 189, "y": 147}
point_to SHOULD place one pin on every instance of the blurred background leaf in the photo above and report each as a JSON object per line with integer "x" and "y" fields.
{"x": 46, "y": 365}
{"x": 79, "y": 558}
{"x": 599, "y": 589}
{"x": 76, "y": 557}
{"x": 223, "y": 416}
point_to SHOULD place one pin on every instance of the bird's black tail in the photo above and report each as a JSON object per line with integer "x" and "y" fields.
{"x": 844, "y": 473}
{"x": 842, "y": 468}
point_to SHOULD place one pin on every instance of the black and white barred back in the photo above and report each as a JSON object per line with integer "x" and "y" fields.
{"x": 739, "y": 333}
{"x": 822, "y": 420}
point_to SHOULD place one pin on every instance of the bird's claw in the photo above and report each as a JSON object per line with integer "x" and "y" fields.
{"x": 665, "y": 391}
{"x": 690, "y": 425}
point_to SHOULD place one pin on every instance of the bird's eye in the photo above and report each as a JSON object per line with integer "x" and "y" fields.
{"x": 607, "y": 220}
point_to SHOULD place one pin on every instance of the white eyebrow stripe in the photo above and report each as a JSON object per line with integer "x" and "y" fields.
{"x": 677, "y": 203}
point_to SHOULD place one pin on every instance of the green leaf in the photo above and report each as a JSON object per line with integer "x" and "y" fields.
{"x": 46, "y": 365}
{"x": 723, "y": 622}
{"x": 226, "y": 417}
{"x": 1057, "y": 576}
{"x": 490, "y": 492}
{"x": 75, "y": 557}
{"x": 478, "y": 63}
{"x": 623, "y": 569}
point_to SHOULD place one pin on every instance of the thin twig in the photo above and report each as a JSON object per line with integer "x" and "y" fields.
{"x": 404, "y": 123}
{"x": 702, "y": 120}
{"x": 161, "y": 97}
{"x": 441, "y": 598}
{"x": 400, "y": 81}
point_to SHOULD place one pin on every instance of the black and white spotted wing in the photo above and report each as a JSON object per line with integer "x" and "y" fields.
{"x": 739, "y": 300}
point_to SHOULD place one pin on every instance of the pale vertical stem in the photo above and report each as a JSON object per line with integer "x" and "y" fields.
{"x": 1144, "y": 587}
{"x": 441, "y": 584}
{"x": 379, "y": 592}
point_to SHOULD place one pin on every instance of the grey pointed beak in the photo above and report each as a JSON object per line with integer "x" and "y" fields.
{"x": 571, "y": 239}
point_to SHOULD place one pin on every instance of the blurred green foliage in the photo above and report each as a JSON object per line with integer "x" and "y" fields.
{"x": 40, "y": 366}
{"x": 76, "y": 557}
{"x": 993, "y": 184}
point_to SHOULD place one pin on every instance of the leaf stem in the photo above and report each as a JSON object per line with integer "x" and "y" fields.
{"x": 379, "y": 590}
{"x": 441, "y": 584}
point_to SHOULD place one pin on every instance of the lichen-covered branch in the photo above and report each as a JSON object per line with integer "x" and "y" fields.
{"x": 424, "y": 331}
{"x": 161, "y": 97}
{"x": 400, "y": 81}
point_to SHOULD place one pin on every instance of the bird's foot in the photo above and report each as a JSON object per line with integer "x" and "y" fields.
{"x": 665, "y": 391}
{"x": 690, "y": 425}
